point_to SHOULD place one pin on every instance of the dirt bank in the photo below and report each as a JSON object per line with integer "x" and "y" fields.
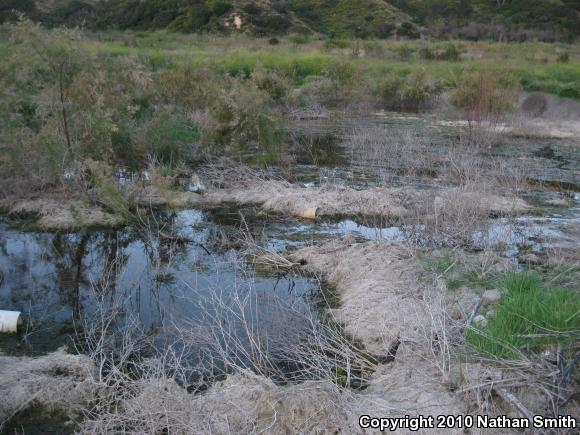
{"x": 56, "y": 382}
{"x": 61, "y": 215}
{"x": 243, "y": 403}
{"x": 385, "y": 305}
{"x": 294, "y": 200}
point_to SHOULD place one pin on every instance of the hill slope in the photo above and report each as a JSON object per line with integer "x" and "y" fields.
{"x": 472, "y": 19}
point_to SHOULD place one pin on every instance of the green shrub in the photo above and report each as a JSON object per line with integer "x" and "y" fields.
{"x": 448, "y": 52}
{"x": 187, "y": 85}
{"x": 168, "y": 138}
{"x": 275, "y": 84}
{"x": 268, "y": 24}
{"x": 336, "y": 43}
{"x": 563, "y": 57}
{"x": 426, "y": 53}
{"x": 298, "y": 38}
{"x": 407, "y": 30}
{"x": 404, "y": 52}
{"x": 486, "y": 91}
{"x": 242, "y": 119}
{"x": 414, "y": 92}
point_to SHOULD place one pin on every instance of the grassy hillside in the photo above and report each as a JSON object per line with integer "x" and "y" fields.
{"x": 491, "y": 19}
{"x": 345, "y": 17}
{"x": 513, "y": 20}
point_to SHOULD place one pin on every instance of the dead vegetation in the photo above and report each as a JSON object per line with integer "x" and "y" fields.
{"x": 385, "y": 304}
{"x": 268, "y": 361}
{"x": 259, "y": 363}
{"x": 388, "y": 303}
{"x": 57, "y": 382}
{"x": 63, "y": 215}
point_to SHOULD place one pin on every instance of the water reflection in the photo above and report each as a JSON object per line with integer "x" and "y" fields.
{"x": 156, "y": 272}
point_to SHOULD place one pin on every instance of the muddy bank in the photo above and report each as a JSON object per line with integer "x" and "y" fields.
{"x": 338, "y": 201}
{"x": 272, "y": 196}
{"x": 57, "y": 382}
{"x": 385, "y": 305}
{"x": 63, "y": 214}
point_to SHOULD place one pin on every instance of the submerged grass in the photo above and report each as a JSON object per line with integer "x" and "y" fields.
{"x": 530, "y": 317}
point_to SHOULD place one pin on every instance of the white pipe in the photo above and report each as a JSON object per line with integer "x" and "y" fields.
{"x": 309, "y": 213}
{"x": 9, "y": 321}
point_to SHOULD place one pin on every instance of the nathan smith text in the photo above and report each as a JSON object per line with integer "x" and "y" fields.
{"x": 415, "y": 423}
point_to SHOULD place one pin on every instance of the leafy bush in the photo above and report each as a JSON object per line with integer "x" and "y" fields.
{"x": 243, "y": 119}
{"x": 168, "y": 138}
{"x": 448, "y": 52}
{"x": 268, "y": 24}
{"x": 404, "y": 52}
{"x": 407, "y": 30}
{"x": 563, "y": 57}
{"x": 336, "y": 43}
{"x": 414, "y": 92}
{"x": 187, "y": 85}
{"x": 298, "y": 38}
{"x": 486, "y": 91}
{"x": 275, "y": 84}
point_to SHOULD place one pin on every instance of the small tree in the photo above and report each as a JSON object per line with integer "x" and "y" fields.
{"x": 59, "y": 51}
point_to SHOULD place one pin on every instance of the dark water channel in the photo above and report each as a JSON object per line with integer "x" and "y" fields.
{"x": 59, "y": 280}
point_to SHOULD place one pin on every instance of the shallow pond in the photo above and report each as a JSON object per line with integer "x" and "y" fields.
{"x": 156, "y": 274}
{"x": 164, "y": 268}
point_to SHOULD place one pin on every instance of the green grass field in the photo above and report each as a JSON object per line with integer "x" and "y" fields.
{"x": 534, "y": 65}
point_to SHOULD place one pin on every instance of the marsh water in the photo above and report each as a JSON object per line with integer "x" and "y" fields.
{"x": 163, "y": 269}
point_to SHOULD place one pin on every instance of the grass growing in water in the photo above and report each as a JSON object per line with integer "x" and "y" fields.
{"x": 530, "y": 316}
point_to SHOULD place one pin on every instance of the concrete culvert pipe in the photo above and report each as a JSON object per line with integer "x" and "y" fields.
{"x": 9, "y": 321}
